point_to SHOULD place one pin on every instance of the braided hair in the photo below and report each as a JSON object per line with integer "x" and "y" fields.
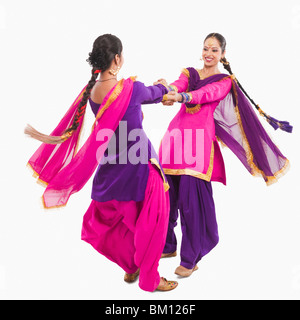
{"x": 105, "y": 48}
{"x": 82, "y": 106}
{"x": 283, "y": 125}
{"x": 226, "y": 64}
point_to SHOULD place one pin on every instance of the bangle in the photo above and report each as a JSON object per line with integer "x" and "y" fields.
{"x": 168, "y": 87}
{"x": 186, "y": 97}
{"x": 172, "y": 88}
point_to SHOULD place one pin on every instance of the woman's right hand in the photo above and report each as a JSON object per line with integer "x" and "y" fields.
{"x": 172, "y": 97}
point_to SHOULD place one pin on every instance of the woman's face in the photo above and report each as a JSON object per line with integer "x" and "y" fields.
{"x": 212, "y": 52}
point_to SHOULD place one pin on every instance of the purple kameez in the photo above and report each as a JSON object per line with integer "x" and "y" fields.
{"x": 131, "y": 178}
{"x": 127, "y": 220}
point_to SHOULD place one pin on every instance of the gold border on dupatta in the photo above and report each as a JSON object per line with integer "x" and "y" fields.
{"x": 116, "y": 92}
{"x": 189, "y": 172}
{"x": 29, "y": 166}
{"x": 43, "y": 184}
{"x": 255, "y": 171}
{"x": 166, "y": 184}
{"x": 36, "y": 176}
{"x": 114, "y": 95}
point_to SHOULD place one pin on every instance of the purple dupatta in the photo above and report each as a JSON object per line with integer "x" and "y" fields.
{"x": 238, "y": 127}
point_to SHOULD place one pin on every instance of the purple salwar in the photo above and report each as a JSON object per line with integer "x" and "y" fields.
{"x": 194, "y": 199}
{"x": 238, "y": 127}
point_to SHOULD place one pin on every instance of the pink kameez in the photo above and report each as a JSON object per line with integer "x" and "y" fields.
{"x": 211, "y": 167}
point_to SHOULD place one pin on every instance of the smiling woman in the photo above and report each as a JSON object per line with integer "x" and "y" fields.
{"x": 215, "y": 103}
{"x": 213, "y": 52}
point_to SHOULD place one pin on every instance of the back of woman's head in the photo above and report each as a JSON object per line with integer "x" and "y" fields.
{"x": 105, "y": 48}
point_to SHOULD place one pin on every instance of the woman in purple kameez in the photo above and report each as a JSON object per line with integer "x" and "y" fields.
{"x": 214, "y": 107}
{"x": 127, "y": 219}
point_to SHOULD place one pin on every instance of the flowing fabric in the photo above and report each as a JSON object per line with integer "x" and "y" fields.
{"x": 49, "y": 159}
{"x": 132, "y": 234}
{"x": 237, "y": 126}
{"x": 58, "y": 166}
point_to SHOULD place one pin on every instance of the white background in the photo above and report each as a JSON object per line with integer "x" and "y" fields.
{"x": 44, "y": 45}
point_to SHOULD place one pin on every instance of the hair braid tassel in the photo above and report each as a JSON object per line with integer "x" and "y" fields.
{"x": 283, "y": 125}
{"x": 33, "y": 133}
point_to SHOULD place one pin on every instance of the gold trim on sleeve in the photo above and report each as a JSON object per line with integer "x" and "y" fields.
{"x": 186, "y": 72}
{"x": 165, "y": 98}
{"x": 193, "y": 110}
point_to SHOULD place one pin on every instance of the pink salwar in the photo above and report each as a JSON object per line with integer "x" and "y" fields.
{"x": 132, "y": 234}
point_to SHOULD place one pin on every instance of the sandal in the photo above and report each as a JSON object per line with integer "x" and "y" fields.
{"x": 167, "y": 286}
{"x": 184, "y": 272}
{"x": 169, "y": 255}
{"x": 131, "y": 277}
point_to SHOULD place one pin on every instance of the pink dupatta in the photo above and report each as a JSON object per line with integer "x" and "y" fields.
{"x": 59, "y": 166}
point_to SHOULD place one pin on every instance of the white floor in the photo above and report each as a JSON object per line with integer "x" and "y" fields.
{"x": 42, "y": 256}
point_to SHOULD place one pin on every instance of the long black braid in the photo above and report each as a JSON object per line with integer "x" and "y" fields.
{"x": 283, "y": 125}
{"x": 82, "y": 106}
{"x": 227, "y": 67}
{"x": 105, "y": 48}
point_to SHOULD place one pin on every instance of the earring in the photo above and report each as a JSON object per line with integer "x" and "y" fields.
{"x": 114, "y": 72}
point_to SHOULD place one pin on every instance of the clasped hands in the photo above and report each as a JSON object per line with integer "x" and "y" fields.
{"x": 171, "y": 96}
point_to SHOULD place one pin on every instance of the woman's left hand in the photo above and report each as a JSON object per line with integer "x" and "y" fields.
{"x": 171, "y": 97}
{"x": 161, "y": 81}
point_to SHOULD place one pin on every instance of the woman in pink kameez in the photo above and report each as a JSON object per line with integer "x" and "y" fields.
{"x": 214, "y": 107}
